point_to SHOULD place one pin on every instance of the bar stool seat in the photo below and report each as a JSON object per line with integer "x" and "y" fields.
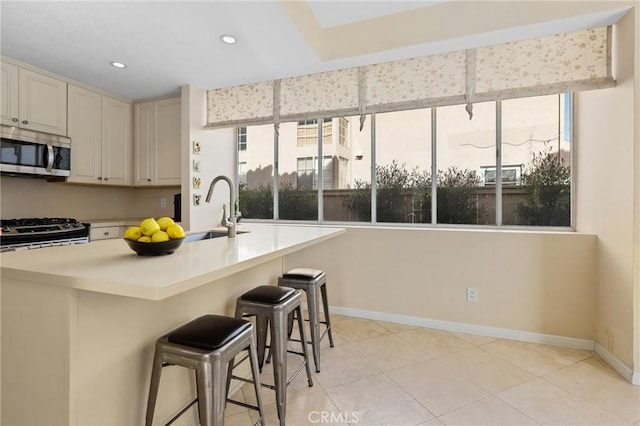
{"x": 271, "y": 306}
{"x": 312, "y": 281}
{"x": 207, "y": 345}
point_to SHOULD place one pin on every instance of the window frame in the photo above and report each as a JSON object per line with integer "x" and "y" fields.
{"x": 568, "y": 127}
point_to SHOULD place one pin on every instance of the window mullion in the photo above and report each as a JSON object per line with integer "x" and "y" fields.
{"x": 498, "y": 163}
{"x": 320, "y": 166}
{"x": 373, "y": 170}
{"x": 434, "y": 169}
{"x": 276, "y": 170}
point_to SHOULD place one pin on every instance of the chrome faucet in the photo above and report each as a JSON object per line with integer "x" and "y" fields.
{"x": 230, "y": 223}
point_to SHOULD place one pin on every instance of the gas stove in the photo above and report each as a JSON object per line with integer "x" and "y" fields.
{"x": 33, "y": 233}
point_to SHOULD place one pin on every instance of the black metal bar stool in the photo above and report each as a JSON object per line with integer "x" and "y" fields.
{"x": 207, "y": 345}
{"x": 271, "y": 305}
{"x": 312, "y": 281}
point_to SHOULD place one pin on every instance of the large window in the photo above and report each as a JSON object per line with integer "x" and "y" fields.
{"x": 466, "y": 150}
{"x": 346, "y": 195}
{"x": 256, "y": 173}
{"x": 536, "y": 134}
{"x": 403, "y": 166}
{"x": 298, "y": 170}
{"x": 509, "y": 164}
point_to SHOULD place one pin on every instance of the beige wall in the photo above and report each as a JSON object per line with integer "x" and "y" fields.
{"x": 26, "y": 197}
{"x": 527, "y": 281}
{"x": 216, "y": 157}
{"x": 605, "y": 121}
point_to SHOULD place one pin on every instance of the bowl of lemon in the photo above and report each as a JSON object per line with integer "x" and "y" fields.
{"x": 155, "y": 237}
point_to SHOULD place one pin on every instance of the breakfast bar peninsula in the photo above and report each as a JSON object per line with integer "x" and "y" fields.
{"x": 79, "y": 323}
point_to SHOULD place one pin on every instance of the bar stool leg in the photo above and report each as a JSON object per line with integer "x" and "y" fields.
{"x": 219, "y": 392}
{"x": 279, "y": 334}
{"x": 205, "y": 397}
{"x": 262, "y": 324}
{"x": 312, "y": 303}
{"x": 303, "y": 338}
{"x": 255, "y": 371}
{"x": 325, "y": 307}
{"x": 156, "y": 371}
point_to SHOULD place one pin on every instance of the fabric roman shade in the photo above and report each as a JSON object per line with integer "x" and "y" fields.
{"x": 246, "y": 104}
{"x": 332, "y": 93}
{"x": 566, "y": 62}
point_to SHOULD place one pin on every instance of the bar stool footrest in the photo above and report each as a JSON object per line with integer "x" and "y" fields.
{"x": 184, "y": 410}
{"x": 242, "y": 404}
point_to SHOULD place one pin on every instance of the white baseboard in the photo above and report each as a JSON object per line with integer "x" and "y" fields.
{"x": 481, "y": 330}
{"x": 631, "y": 376}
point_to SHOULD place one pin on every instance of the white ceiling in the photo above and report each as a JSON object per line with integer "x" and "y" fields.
{"x": 167, "y": 44}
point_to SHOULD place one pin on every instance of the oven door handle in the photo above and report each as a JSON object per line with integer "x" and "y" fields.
{"x": 50, "y": 158}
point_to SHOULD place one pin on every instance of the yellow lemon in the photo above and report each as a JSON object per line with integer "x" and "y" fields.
{"x": 165, "y": 222}
{"x": 175, "y": 231}
{"x": 144, "y": 239}
{"x": 149, "y": 226}
{"x": 133, "y": 233}
{"x": 159, "y": 236}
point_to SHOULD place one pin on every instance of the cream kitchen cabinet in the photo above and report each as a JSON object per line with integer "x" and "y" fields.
{"x": 100, "y": 131}
{"x": 31, "y": 100}
{"x": 157, "y": 142}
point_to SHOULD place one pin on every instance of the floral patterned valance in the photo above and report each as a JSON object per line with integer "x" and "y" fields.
{"x": 332, "y": 91}
{"x": 248, "y": 103}
{"x": 574, "y": 61}
{"x": 569, "y": 60}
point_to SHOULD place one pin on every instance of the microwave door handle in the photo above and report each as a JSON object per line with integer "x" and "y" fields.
{"x": 49, "y": 158}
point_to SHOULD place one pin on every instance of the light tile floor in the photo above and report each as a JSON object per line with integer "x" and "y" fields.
{"x": 388, "y": 374}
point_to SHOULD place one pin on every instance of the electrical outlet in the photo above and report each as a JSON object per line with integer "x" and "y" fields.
{"x": 163, "y": 203}
{"x": 472, "y": 294}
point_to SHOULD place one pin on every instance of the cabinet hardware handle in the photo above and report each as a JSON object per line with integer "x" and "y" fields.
{"x": 14, "y": 119}
{"x": 106, "y": 233}
{"x": 148, "y": 180}
{"x": 99, "y": 177}
{"x": 106, "y": 178}
{"x": 25, "y": 122}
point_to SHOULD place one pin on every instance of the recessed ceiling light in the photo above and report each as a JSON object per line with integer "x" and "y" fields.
{"x": 119, "y": 65}
{"x": 228, "y": 39}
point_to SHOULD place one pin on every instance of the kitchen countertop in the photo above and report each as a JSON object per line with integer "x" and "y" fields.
{"x": 109, "y": 266}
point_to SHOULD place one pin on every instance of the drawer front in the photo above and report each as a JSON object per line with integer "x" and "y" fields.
{"x": 105, "y": 233}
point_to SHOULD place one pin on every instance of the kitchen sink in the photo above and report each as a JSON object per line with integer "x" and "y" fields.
{"x": 208, "y": 235}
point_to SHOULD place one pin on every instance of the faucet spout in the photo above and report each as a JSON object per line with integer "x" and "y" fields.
{"x": 231, "y": 222}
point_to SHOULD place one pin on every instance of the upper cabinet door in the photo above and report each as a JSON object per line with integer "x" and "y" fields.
{"x": 157, "y": 142}
{"x": 168, "y": 135}
{"x": 42, "y": 103}
{"x": 85, "y": 131}
{"x": 116, "y": 142}
{"x": 9, "y": 94}
{"x": 145, "y": 134}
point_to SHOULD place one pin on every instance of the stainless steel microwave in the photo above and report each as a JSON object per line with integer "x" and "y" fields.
{"x": 25, "y": 152}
